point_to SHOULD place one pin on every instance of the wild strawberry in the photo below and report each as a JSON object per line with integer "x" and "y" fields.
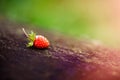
{"x": 41, "y": 42}
{"x": 37, "y": 41}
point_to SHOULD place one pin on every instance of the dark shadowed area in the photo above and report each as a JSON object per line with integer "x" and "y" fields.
{"x": 65, "y": 59}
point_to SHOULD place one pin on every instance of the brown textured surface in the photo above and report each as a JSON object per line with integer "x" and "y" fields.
{"x": 65, "y": 59}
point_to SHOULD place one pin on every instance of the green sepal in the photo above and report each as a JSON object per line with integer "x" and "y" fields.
{"x": 30, "y": 44}
{"x": 31, "y": 38}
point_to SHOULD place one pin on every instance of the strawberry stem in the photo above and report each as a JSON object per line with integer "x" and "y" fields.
{"x": 25, "y": 32}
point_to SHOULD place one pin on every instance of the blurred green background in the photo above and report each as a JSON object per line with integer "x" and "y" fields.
{"x": 95, "y": 19}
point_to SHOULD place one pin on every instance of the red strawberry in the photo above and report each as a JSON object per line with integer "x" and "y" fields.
{"x": 41, "y": 42}
{"x": 37, "y": 41}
